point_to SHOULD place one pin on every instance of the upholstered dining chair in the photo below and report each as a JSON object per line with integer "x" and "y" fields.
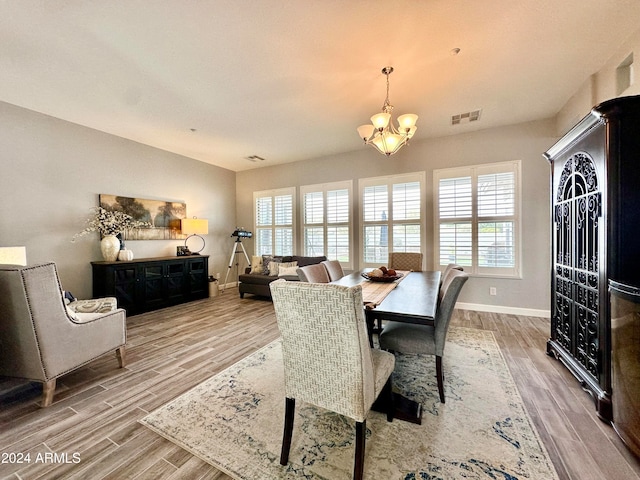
{"x": 424, "y": 339}
{"x": 405, "y": 261}
{"x": 327, "y": 358}
{"x": 447, "y": 270}
{"x": 40, "y": 338}
{"x": 316, "y": 273}
{"x": 334, "y": 269}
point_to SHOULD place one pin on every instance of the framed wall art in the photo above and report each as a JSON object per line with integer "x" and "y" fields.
{"x": 164, "y": 216}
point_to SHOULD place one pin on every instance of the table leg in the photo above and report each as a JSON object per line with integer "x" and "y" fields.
{"x": 403, "y": 408}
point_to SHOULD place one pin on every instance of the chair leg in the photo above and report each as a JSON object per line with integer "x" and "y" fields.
{"x": 121, "y": 354}
{"x": 387, "y": 391}
{"x": 440, "y": 377}
{"x": 48, "y": 389}
{"x": 290, "y": 408}
{"x": 358, "y": 469}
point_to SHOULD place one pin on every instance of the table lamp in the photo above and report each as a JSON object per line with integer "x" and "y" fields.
{"x": 13, "y": 255}
{"x": 194, "y": 227}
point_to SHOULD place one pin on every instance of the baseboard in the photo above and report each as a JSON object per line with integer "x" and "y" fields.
{"x": 526, "y": 312}
{"x": 228, "y": 285}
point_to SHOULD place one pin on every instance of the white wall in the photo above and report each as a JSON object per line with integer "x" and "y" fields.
{"x": 525, "y": 142}
{"x": 52, "y": 172}
{"x": 601, "y": 86}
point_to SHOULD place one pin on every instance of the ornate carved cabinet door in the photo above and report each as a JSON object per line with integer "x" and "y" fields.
{"x": 577, "y": 218}
{"x": 579, "y": 307}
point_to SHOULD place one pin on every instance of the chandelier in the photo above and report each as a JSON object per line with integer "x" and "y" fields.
{"x": 381, "y": 133}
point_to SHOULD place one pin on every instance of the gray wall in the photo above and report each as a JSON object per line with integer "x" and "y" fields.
{"x": 53, "y": 171}
{"x": 525, "y": 142}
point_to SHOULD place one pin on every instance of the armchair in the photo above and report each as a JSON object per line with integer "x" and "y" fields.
{"x": 327, "y": 358}
{"x": 40, "y": 339}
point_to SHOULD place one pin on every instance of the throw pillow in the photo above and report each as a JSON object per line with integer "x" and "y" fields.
{"x": 71, "y": 313}
{"x": 275, "y": 268}
{"x": 288, "y": 271}
{"x": 276, "y": 265}
{"x": 266, "y": 260}
{"x": 256, "y": 264}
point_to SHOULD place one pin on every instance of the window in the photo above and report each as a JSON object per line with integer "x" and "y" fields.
{"x": 274, "y": 227}
{"x": 391, "y": 215}
{"x": 326, "y": 221}
{"x": 477, "y": 215}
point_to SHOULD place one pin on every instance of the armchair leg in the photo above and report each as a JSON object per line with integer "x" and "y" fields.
{"x": 48, "y": 389}
{"x": 358, "y": 469}
{"x": 440, "y": 377}
{"x": 290, "y": 408}
{"x": 121, "y": 354}
{"x": 387, "y": 391}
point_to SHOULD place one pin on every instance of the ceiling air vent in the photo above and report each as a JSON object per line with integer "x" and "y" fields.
{"x": 254, "y": 158}
{"x": 465, "y": 117}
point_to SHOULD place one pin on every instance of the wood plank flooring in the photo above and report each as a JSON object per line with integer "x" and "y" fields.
{"x": 96, "y": 408}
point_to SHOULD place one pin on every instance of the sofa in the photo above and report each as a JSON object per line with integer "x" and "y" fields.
{"x": 265, "y": 269}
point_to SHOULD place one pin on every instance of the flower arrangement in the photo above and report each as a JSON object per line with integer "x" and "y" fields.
{"x": 109, "y": 222}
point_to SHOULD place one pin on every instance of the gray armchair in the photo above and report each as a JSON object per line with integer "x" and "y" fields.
{"x": 40, "y": 339}
{"x": 424, "y": 339}
{"x": 327, "y": 358}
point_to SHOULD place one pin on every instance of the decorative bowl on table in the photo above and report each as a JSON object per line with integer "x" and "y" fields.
{"x": 382, "y": 278}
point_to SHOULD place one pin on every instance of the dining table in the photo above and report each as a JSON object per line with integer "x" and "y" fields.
{"x": 412, "y": 298}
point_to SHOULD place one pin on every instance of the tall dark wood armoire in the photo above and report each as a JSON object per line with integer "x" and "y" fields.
{"x": 595, "y": 209}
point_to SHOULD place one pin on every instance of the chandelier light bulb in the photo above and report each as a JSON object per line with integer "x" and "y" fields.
{"x": 381, "y": 133}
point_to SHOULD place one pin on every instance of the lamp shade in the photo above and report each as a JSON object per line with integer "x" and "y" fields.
{"x": 365, "y": 131}
{"x": 407, "y": 121}
{"x": 380, "y": 120}
{"x": 13, "y": 255}
{"x": 194, "y": 226}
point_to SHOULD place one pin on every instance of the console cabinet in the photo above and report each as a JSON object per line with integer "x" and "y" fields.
{"x": 595, "y": 202}
{"x": 151, "y": 283}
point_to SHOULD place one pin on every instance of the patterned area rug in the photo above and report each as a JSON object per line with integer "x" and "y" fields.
{"x": 234, "y": 421}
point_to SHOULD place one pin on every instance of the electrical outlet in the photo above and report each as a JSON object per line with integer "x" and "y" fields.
{"x": 492, "y": 291}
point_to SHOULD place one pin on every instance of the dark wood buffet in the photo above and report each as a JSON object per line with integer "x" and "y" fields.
{"x": 147, "y": 284}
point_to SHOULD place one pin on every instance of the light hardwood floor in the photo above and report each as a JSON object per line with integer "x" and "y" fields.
{"x": 96, "y": 408}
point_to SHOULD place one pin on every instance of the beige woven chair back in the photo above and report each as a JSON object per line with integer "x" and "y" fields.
{"x": 405, "y": 261}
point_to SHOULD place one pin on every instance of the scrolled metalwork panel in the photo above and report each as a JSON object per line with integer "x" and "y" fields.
{"x": 584, "y": 166}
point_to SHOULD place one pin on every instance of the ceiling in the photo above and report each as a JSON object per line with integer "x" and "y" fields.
{"x": 220, "y": 81}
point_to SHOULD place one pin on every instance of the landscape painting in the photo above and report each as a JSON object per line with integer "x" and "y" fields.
{"x": 163, "y": 216}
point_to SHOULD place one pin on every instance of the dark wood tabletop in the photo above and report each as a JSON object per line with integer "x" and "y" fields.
{"x": 414, "y": 300}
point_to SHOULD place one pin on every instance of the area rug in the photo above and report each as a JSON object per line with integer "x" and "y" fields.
{"x": 234, "y": 422}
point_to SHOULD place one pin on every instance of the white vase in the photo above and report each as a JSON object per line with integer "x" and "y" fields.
{"x": 110, "y": 246}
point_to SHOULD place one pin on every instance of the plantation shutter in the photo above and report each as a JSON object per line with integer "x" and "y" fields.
{"x": 274, "y": 222}
{"x": 327, "y": 229}
{"x": 477, "y": 224}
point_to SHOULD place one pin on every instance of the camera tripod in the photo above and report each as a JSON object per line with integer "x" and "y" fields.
{"x": 234, "y": 258}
